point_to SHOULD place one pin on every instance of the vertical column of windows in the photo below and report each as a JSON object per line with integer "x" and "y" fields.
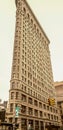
{"x": 16, "y": 56}
{"x": 38, "y": 63}
{"x": 24, "y": 53}
{"x": 47, "y": 75}
{"x": 29, "y": 69}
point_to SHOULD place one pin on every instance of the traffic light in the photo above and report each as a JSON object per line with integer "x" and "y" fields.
{"x": 51, "y": 101}
{"x": 17, "y": 111}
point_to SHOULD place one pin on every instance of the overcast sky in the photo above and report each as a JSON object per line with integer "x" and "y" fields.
{"x": 50, "y": 15}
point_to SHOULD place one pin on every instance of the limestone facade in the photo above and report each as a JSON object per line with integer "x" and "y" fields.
{"x": 31, "y": 81}
{"x": 59, "y": 94}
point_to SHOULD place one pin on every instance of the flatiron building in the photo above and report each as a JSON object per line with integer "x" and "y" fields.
{"x": 31, "y": 83}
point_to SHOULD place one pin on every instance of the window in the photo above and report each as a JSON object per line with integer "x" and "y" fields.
{"x": 24, "y": 10}
{"x": 36, "y": 112}
{"x": 23, "y": 97}
{"x": 12, "y": 95}
{"x": 14, "y": 67}
{"x": 51, "y": 109}
{"x": 13, "y": 84}
{"x": 54, "y": 110}
{"x": 40, "y": 113}
{"x": 30, "y": 100}
{"x": 23, "y": 109}
{"x": 52, "y": 117}
{"x": 48, "y": 116}
{"x": 30, "y": 111}
{"x": 28, "y": 15}
{"x": 10, "y": 120}
{"x": 47, "y": 107}
{"x": 11, "y": 107}
{"x": 23, "y": 87}
{"x": 40, "y": 104}
{"x": 35, "y": 102}
{"x": 45, "y": 114}
{"x": 44, "y": 106}
{"x": 17, "y": 95}
{"x": 23, "y": 122}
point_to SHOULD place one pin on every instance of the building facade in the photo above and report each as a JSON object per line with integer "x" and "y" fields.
{"x": 59, "y": 94}
{"x": 31, "y": 83}
{"x": 3, "y": 109}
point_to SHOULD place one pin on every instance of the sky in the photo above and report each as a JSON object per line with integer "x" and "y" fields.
{"x": 50, "y": 15}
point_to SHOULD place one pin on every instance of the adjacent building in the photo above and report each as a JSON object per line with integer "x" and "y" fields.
{"x": 3, "y": 108}
{"x": 31, "y": 84}
{"x": 59, "y": 94}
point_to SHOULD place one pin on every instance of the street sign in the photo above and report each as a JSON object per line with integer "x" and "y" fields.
{"x": 17, "y": 111}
